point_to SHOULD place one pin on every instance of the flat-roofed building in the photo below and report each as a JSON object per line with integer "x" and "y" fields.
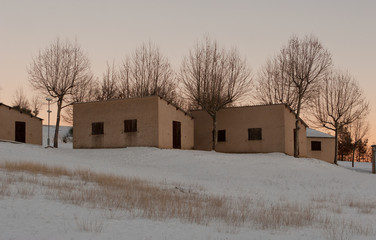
{"x": 147, "y": 121}
{"x": 251, "y": 129}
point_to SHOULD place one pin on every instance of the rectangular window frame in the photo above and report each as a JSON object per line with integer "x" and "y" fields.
{"x": 130, "y": 125}
{"x": 221, "y": 135}
{"x": 254, "y": 134}
{"x": 316, "y": 146}
{"x": 97, "y": 128}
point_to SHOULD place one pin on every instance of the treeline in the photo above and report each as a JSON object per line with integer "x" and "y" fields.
{"x": 210, "y": 77}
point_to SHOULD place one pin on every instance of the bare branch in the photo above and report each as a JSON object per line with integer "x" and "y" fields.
{"x": 339, "y": 103}
{"x": 214, "y": 78}
{"x": 293, "y": 76}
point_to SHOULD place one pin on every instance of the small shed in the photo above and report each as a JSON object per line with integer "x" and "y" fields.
{"x": 320, "y": 145}
{"x": 19, "y": 126}
{"x": 147, "y": 121}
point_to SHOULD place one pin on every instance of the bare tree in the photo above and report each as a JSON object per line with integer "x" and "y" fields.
{"x": 58, "y": 71}
{"x": 293, "y": 75}
{"x": 147, "y": 73}
{"x": 86, "y": 92}
{"x": 274, "y": 87}
{"x": 214, "y": 78}
{"x": 125, "y": 79}
{"x": 20, "y": 101}
{"x": 339, "y": 103}
{"x": 36, "y": 104}
{"x": 108, "y": 87}
{"x": 358, "y": 130}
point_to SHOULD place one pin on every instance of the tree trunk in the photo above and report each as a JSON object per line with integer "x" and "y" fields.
{"x": 214, "y": 142}
{"x": 353, "y": 157}
{"x": 335, "y": 146}
{"x": 296, "y": 132}
{"x": 296, "y": 138}
{"x": 56, "y": 137}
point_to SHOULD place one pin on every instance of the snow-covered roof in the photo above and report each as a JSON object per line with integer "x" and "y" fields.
{"x": 317, "y": 134}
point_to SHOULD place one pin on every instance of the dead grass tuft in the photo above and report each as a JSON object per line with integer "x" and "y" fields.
{"x": 35, "y": 168}
{"x": 89, "y": 225}
{"x": 364, "y": 207}
{"x": 25, "y": 191}
{"x": 334, "y": 229}
{"x": 283, "y": 215}
{"x": 4, "y": 189}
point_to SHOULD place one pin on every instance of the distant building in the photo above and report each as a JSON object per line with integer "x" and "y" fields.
{"x": 16, "y": 125}
{"x": 147, "y": 121}
{"x": 320, "y": 145}
{"x": 251, "y": 129}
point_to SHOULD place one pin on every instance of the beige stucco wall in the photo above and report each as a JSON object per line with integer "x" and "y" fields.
{"x": 327, "y": 149}
{"x": 154, "y": 123}
{"x": 236, "y": 122}
{"x": 167, "y": 113}
{"x": 289, "y": 120}
{"x": 202, "y": 130}
{"x": 33, "y": 125}
{"x": 113, "y": 113}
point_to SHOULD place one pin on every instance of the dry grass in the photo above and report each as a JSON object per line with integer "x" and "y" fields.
{"x": 25, "y": 191}
{"x": 336, "y": 202}
{"x": 35, "y": 168}
{"x": 364, "y": 207}
{"x": 334, "y": 229}
{"x": 4, "y": 189}
{"x": 89, "y": 225}
{"x": 283, "y": 215}
{"x": 138, "y": 197}
{"x": 120, "y": 196}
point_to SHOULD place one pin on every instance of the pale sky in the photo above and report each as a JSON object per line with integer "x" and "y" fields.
{"x": 109, "y": 30}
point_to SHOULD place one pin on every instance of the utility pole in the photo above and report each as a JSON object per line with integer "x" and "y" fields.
{"x": 49, "y": 112}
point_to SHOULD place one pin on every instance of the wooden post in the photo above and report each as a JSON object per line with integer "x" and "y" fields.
{"x": 373, "y": 158}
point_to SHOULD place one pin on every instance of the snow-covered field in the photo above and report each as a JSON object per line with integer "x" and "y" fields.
{"x": 341, "y": 198}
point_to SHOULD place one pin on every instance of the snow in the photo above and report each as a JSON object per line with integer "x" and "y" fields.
{"x": 63, "y": 130}
{"x": 271, "y": 178}
{"x": 314, "y": 133}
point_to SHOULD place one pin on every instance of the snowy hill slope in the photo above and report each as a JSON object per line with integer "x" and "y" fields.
{"x": 270, "y": 178}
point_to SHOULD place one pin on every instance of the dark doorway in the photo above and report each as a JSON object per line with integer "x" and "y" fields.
{"x": 20, "y": 132}
{"x": 176, "y": 134}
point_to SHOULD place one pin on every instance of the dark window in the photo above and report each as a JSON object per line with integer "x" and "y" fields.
{"x": 316, "y": 146}
{"x": 221, "y": 136}
{"x": 130, "y": 125}
{"x": 97, "y": 128}
{"x": 254, "y": 134}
